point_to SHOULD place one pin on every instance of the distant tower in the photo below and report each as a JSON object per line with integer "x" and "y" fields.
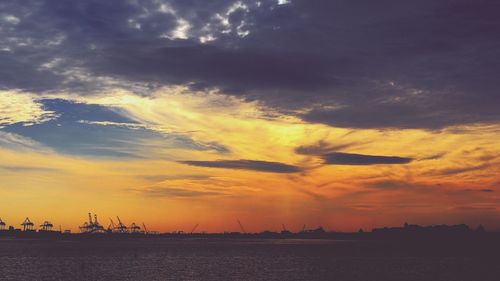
{"x": 27, "y": 225}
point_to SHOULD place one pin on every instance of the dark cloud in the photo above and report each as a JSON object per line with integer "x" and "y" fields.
{"x": 433, "y": 157}
{"x": 391, "y": 184}
{"x": 261, "y": 166}
{"x": 486, "y": 190}
{"x": 353, "y": 63}
{"x": 160, "y": 178}
{"x": 321, "y": 148}
{"x": 176, "y": 192}
{"x": 341, "y": 158}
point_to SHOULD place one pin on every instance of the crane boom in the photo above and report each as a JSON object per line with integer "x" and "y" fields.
{"x": 241, "y": 226}
{"x": 194, "y": 228}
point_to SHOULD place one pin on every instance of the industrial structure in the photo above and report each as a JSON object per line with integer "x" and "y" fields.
{"x": 46, "y": 226}
{"x": 194, "y": 228}
{"x": 28, "y": 225}
{"x": 134, "y": 228}
{"x": 92, "y": 226}
{"x": 121, "y": 227}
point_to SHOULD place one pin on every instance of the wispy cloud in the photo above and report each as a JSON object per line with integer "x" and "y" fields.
{"x": 173, "y": 192}
{"x": 10, "y": 140}
{"x": 23, "y": 169}
{"x": 457, "y": 170}
{"x": 254, "y": 165}
{"x": 22, "y": 108}
{"x": 159, "y": 178}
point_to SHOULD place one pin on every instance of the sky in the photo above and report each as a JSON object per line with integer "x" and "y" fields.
{"x": 344, "y": 114}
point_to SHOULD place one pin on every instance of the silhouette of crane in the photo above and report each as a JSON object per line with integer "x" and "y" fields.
{"x": 111, "y": 225}
{"x": 2, "y": 224}
{"x": 241, "y": 226}
{"x": 27, "y": 225}
{"x": 194, "y": 228}
{"x": 121, "y": 228}
{"x": 285, "y": 231}
{"x": 145, "y": 228}
{"x": 134, "y": 228}
{"x": 92, "y": 226}
{"x": 46, "y": 226}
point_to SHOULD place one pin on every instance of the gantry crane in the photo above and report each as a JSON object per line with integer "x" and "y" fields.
{"x": 28, "y": 225}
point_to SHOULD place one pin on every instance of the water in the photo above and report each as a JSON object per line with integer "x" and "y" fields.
{"x": 213, "y": 259}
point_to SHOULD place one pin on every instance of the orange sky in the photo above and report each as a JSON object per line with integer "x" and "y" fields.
{"x": 452, "y": 176}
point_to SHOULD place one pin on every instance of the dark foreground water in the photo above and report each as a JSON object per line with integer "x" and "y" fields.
{"x": 212, "y": 259}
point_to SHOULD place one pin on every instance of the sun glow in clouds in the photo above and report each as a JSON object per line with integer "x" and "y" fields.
{"x": 272, "y": 111}
{"x": 22, "y": 108}
{"x": 265, "y": 157}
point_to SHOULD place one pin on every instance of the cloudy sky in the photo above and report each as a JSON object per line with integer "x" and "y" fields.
{"x": 340, "y": 113}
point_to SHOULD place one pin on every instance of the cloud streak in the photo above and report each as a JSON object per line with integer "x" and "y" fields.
{"x": 253, "y": 165}
{"x": 341, "y": 158}
{"x": 172, "y": 192}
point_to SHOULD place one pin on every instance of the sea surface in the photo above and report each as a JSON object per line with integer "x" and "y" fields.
{"x": 238, "y": 259}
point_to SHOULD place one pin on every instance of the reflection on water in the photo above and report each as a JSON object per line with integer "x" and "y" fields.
{"x": 167, "y": 259}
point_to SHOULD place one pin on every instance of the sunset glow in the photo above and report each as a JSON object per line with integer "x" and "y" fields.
{"x": 227, "y": 115}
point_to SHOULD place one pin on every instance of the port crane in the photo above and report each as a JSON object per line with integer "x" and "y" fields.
{"x": 284, "y": 231}
{"x": 92, "y": 226}
{"x": 241, "y": 226}
{"x": 46, "y": 226}
{"x": 134, "y": 228}
{"x": 194, "y": 228}
{"x": 111, "y": 225}
{"x": 2, "y": 224}
{"x": 121, "y": 228}
{"x": 28, "y": 225}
